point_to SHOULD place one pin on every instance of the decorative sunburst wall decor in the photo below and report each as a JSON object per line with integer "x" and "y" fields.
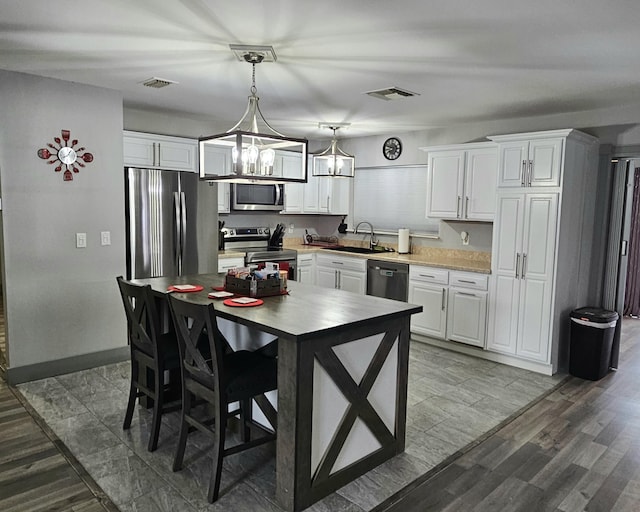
{"x": 65, "y": 155}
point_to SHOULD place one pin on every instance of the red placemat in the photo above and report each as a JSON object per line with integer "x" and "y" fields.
{"x": 177, "y": 288}
{"x": 231, "y": 302}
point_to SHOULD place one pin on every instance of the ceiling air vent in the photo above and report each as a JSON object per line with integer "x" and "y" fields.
{"x": 392, "y": 93}
{"x": 158, "y": 83}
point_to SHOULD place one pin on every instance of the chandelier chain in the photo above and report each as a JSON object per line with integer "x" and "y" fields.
{"x": 253, "y": 80}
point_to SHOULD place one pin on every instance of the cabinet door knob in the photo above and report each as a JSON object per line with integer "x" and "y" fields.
{"x": 444, "y": 292}
{"x": 524, "y": 173}
{"x": 458, "y": 207}
{"x": 524, "y": 265}
{"x": 517, "y": 264}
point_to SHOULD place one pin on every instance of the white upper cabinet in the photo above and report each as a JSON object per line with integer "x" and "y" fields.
{"x": 481, "y": 167}
{"x": 224, "y": 199}
{"x": 216, "y": 160}
{"x": 160, "y": 152}
{"x": 333, "y": 195}
{"x": 461, "y": 181}
{"x": 445, "y": 184}
{"x": 535, "y": 162}
{"x": 320, "y": 195}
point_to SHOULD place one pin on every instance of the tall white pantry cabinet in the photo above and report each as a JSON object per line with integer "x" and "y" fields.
{"x": 541, "y": 246}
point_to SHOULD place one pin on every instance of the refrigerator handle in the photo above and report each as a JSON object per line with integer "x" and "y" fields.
{"x": 183, "y": 238}
{"x": 178, "y": 238}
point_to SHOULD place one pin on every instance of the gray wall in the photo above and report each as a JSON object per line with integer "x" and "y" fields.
{"x": 61, "y": 303}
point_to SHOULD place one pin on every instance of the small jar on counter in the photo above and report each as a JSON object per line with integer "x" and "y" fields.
{"x": 283, "y": 280}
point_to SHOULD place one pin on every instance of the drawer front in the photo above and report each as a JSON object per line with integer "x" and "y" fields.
{"x": 341, "y": 262}
{"x": 469, "y": 280}
{"x": 428, "y": 274}
{"x": 305, "y": 259}
{"x": 225, "y": 264}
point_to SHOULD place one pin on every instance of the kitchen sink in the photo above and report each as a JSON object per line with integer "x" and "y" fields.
{"x": 359, "y": 250}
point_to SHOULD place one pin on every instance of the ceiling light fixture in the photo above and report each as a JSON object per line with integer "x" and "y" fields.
{"x": 333, "y": 161}
{"x": 253, "y": 150}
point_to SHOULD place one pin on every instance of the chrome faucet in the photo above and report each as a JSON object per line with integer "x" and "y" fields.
{"x": 373, "y": 241}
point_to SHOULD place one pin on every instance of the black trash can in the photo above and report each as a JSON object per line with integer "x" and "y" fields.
{"x": 592, "y": 332}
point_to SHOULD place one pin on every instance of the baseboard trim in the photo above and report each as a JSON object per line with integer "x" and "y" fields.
{"x": 524, "y": 364}
{"x": 38, "y": 371}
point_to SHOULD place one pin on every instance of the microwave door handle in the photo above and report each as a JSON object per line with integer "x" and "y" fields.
{"x": 277, "y": 195}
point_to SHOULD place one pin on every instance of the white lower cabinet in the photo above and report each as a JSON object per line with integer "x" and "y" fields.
{"x": 467, "y": 308}
{"x": 341, "y": 272}
{"x": 428, "y": 288}
{"x": 454, "y": 304}
{"x": 225, "y": 264}
{"x": 306, "y": 272}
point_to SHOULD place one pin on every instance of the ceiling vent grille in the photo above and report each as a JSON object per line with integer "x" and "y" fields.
{"x": 392, "y": 93}
{"x": 157, "y": 83}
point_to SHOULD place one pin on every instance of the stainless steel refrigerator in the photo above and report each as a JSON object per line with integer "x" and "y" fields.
{"x": 171, "y": 222}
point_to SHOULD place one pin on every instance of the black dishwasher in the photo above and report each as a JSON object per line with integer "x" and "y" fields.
{"x": 387, "y": 279}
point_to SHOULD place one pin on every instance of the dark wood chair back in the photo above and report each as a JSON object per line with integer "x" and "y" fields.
{"x": 152, "y": 353}
{"x": 142, "y": 318}
{"x": 214, "y": 376}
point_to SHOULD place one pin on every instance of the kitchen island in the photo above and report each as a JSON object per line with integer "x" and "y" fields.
{"x": 342, "y": 381}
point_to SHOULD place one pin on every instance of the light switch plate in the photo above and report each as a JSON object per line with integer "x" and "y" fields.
{"x": 81, "y": 240}
{"x": 105, "y": 237}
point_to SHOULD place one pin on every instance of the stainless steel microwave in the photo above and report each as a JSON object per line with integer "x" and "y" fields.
{"x": 257, "y": 197}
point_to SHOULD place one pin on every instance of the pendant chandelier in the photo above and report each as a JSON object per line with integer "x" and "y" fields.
{"x": 253, "y": 151}
{"x": 333, "y": 161}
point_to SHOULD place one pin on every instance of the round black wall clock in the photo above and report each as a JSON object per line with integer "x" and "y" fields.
{"x": 392, "y": 148}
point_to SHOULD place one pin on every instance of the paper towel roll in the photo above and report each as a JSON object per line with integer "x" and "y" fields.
{"x": 403, "y": 240}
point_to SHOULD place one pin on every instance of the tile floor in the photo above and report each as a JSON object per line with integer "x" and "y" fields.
{"x": 453, "y": 400}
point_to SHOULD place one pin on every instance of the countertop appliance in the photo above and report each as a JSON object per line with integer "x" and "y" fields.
{"x": 388, "y": 280}
{"x": 254, "y": 242}
{"x": 257, "y": 197}
{"x": 170, "y": 223}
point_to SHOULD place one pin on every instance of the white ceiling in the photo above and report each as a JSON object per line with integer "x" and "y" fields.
{"x": 469, "y": 60}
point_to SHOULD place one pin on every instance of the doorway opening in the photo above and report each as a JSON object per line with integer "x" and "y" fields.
{"x": 617, "y": 266}
{"x": 631, "y": 304}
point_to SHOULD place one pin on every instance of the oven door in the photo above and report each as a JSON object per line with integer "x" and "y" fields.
{"x": 257, "y": 197}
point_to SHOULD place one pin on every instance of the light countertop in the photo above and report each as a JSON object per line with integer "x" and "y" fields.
{"x": 469, "y": 261}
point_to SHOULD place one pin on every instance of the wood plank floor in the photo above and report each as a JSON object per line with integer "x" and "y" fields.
{"x": 37, "y": 472}
{"x": 578, "y": 449}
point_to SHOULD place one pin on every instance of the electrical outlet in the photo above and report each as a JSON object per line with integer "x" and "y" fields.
{"x": 105, "y": 237}
{"x": 465, "y": 238}
{"x": 81, "y": 240}
{"x": 291, "y": 226}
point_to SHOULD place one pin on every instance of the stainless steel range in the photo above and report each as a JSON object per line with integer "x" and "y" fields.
{"x": 260, "y": 245}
